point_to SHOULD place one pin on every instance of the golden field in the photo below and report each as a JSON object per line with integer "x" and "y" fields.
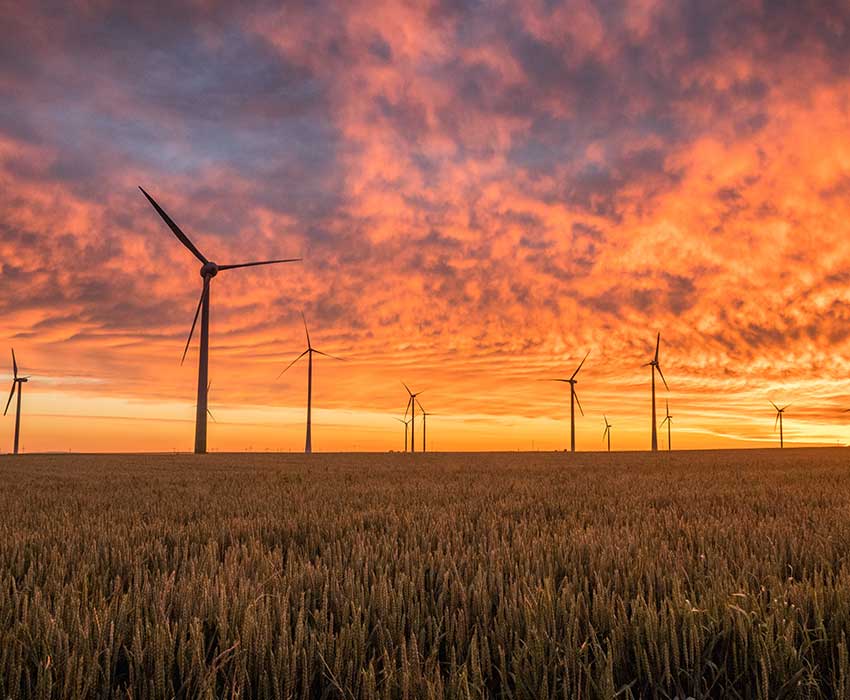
{"x": 510, "y": 575}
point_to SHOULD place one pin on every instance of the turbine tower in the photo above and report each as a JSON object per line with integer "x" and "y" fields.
{"x": 411, "y": 406}
{"x": 209, "y": 270}
{"x": 607, "y": 432}
{"x": 779, "y": 412}
{"x": 668, "y": 419}
{"x": 655, "y": 366}
{"x": 572, "y": 381}
{"x": 17, "y": 383}
{"x": 308, "y": 444}
{"x": 406, "y": 423}
{"x": 425, "y": 414}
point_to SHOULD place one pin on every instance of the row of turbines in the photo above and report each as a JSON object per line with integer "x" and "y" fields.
{"x": 210, "y": 269}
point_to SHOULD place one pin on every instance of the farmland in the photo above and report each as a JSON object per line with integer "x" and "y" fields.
{"x": 526, "y": 575}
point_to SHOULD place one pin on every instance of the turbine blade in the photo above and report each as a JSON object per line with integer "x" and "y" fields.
{"x": 11, "y": 394}
{"x": 14, "y": 363}
{"x": 182, "y": 237}
{"x": 579, "y": 403}
{"x": 293, "y": 362}
{"x": 420, "y": 407}
{"x": 776, "y": 422}
{"x": 774, "y": 405}
{"x": 658, "y": 367}
{"x": 407, "y": 408}
{"x": 309, "y": 344}
{"x": 194, "y": 323}
{"x": 212, "y": 416}
{"x": 254, "y": 264}
{"x": 408, "y": 388}
{"x": 786, "y": 406}
{"x": 657, "y": 346}
{"x": 567, "y": 380}
{"x": 333, "y": 357}
{"x": 579, "y": 366}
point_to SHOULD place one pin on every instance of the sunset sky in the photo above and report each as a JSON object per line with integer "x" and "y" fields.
{"x": 481, "y": 191}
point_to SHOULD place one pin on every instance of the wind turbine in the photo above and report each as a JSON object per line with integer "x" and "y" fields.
{"x": 607, "y": 432}
{"x": 779, "y": 412}
{"x": 411, "y": 405}
{"x": 209, "y": 270}
{"x": 424, "y": 416}
{"x": 655, "y": 366}
{"x": 308, "y": 445}
{"x": 209, "y": 412}
{"x": 668, "y": 419}
{"x": 17, "y": 383}
{"x": 572, "y": 381}
{"x": 406, "y": 423}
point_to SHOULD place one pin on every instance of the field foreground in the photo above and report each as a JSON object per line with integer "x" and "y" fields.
{"x": 704, "y": 574}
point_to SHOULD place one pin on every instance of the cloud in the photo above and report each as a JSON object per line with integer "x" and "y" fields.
{"x": 480, "y": 190}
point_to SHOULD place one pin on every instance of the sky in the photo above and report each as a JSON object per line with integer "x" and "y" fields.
{"x": 482, "y": 191}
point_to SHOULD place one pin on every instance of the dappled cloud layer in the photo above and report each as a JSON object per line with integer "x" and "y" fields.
{"x": 481, "y": 192}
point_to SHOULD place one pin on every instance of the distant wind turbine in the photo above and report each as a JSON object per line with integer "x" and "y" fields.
{"x": 668, "y": 419}
{"x": 425, "y": 414}
{"x": 406, "y": 423}
{"x": 572, "y": 381}
{"x": 655, "y": 366}
{"x": 607, "y": 432}
{"x": 209, "y": 270}
{"x": 308, "y": 445}
{"x": 17, "y": 383}
{"x": 209, "y": 412}
{"x": 779, "y": 412}
{"x": 411, "y": 406}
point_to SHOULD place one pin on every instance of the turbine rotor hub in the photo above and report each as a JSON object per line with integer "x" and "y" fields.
{"x": 209, "y": 269}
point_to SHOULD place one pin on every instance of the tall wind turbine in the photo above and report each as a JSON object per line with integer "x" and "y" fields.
{"x": 572, "y": 381}
{"x": 668, "y": 419}
{"x": 655, "y": 366}
{"x": 209, "y": 270}
{"x": 308, "y": 445}
{"x": 406, "y": 423}
{"x": 17, "y": 383}
{"x": 411, "y": 406}
{"x": 425, "y": 414}
{"x": 779, "y": 412}
{"x": 607, "y": 432}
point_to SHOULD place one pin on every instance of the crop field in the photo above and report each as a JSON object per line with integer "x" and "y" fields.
{"x": 527, "y": 575}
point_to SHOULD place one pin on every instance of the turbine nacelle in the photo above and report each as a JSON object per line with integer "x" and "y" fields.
{"x": 209, "y": 269}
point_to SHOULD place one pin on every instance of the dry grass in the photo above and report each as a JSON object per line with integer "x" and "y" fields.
{"x": 359, "y": 576}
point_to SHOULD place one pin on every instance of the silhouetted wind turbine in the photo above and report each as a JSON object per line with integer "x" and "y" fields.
{"x": 425, "y": 414}
{"x": 655, "y": 366}
{"x": 308, "y": 445}
{"x": 607, "y": 431}
{"x": 572, "y": 381}
{"x": 209, "y": 412}
{"x": 406, "y": 423}
{"x": 209, "y": 270}
{"x": 779, "y": 412}
{"x": 412, "y": 407}
{"x": 17, "y": 383}
{"x": 668, "y": 419}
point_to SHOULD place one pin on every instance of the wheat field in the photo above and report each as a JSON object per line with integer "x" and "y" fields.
{"x": 701, "y": 574}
